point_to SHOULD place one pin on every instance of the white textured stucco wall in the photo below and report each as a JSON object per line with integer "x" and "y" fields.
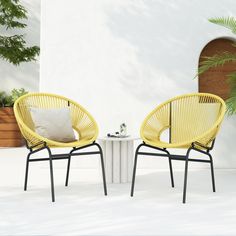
{"x": 121, "y": 58}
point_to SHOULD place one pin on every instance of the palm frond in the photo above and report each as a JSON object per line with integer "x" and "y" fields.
{"x": 227, "y": 22}
{"x": 232, "y": 80}
{"x": 216, "y": 60}
{"x": 231, "y": 105}
{"x": 231, "y": 102}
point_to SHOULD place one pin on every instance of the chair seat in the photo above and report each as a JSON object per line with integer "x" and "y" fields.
{"x": 76, "y": 143}
{"x": 162, "y": 144}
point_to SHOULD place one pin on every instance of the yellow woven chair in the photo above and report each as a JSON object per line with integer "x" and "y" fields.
{"x": 191, "y": 121}
{"x": 82, "y": 122}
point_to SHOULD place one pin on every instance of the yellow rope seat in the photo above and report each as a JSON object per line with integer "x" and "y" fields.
{"x": 189, "y": 118}
{"x": 82, "y": 122}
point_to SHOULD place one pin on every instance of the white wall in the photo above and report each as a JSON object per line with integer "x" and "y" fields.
{"x": 121, "y": 58}
{"x": 25, "y": 75}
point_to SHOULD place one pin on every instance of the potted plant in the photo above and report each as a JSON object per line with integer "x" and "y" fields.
{"x": 10, "y": 135}
{"x": 222, "y": 58}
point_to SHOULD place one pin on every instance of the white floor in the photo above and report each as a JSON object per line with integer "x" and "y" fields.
{"x": 82, "y": 209}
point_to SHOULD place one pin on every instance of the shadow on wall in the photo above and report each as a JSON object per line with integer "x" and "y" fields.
{"x": 125, "y": 57}
{"x": 160, "y": 43}
{"x": 163, "y": 47}
{"x": 26, "y": 74}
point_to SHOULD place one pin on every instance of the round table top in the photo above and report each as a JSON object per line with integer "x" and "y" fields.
{"x": 129, "y": 138}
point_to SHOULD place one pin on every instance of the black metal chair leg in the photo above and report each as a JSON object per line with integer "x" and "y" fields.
{"x": 171, "y": 173}
{"x": 68, "y": 165}
{"x": 171, "y": 169}
{"x": 103, "y": 169}
{"x": 26, "y": 171}
{"x": 134, "y": 173}
{"x": 103, "y": 173}
{"x": 68, "y": 171}
{"x": 186, "y": 176}
{"x": 134, "y": 170}
{"x": 212, "y": 173}
{"x": 51, "y": 175}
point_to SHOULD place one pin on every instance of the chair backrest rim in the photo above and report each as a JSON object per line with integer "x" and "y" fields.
{"x": 214, "y": 126}
{"x": 25, "y": 126}
{"x": 49, "y": 95}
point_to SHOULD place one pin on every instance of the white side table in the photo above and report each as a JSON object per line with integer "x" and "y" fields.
{"x": 118, "y": 156}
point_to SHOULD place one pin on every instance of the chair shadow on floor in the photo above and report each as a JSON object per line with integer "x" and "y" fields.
{"x": 82, "y": 207}
{"x": 152, "y": 184}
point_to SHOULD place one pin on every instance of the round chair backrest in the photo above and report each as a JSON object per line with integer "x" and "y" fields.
{"x": 187, "y": 117}
{"x": 80, "y": 118}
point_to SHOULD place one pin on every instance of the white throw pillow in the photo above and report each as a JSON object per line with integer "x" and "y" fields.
{"x": 54, "y": 124}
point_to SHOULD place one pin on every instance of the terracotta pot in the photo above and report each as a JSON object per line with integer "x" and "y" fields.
{"x": 10, "y": 135}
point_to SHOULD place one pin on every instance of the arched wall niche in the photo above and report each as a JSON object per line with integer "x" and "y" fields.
{"x": 215, "y": 79}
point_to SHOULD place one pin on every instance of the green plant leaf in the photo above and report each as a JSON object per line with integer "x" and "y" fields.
{"x": 231, "y": 105}
{"x": 8, "y": 100}
{"x": 10, "y": 14}
{"x": 2, "y": 97}
{"x": 216, "y": 60}
{"x": 14, "y": 48}
{"x": 16, "y": 93}
{"x": 227, "y": 22}
{"x": 231, "y": 101}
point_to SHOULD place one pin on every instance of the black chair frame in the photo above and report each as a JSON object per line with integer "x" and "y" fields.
{"x": 196, "y": 146}
{"x": 65, "y": 156}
